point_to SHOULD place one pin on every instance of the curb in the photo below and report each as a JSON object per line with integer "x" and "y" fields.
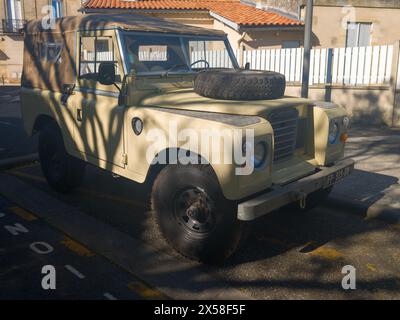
{"x": 175, "y": 278}
{"x": 374, "y": 211}
{"x": 17, "y": 161}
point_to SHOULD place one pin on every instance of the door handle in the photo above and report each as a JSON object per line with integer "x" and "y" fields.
{"x": 79, "y": 115}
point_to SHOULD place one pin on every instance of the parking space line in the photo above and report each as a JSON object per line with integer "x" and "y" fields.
{"x": 22, "y": 213}
{"x": 85, "y": 191}
{"x": 74, "y": 271}
{"x": 109, "y": 296}
{"x": 111, "y": 197}
{"x": 371, "y": 267}
{"x": 77, "y": 247}
{"x": 22, "y": 166}
{"x": 27, "y": 175}
{"x": 276, "y": 241}
{"x": 326, "y": 253}
{"x": 145, "y": 291}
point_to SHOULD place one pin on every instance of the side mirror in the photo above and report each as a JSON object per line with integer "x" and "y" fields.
{"x": 247, "y": 66}
{"x": 106, "y": 73}
{"x": 68, "y": 88}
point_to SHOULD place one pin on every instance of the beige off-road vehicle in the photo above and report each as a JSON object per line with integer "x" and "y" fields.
{"x": 167, "y": 106}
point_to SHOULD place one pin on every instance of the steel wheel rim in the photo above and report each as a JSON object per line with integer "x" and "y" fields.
{"x": 194, "y": 210}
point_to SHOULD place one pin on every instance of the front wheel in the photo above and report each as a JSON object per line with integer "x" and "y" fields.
{"x": 193, "y": 215}
{"x": 63, "y": 172}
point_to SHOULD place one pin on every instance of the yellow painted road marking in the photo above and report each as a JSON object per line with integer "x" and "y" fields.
{"x": 326, "y": 253}
{"x": 145, "y": 291}
{"x": 27, "y": 175}
{"x": 111, "y": 197}
{"x": 24, "y": 166}
{"x": 22, "y": 213}
{"x": 85, "y": 191}
{"x": 277, "y": 241}
{"x": 77, "y": 247}
{"x": 371, "y": 267}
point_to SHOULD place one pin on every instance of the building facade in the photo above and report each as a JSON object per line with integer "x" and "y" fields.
{"x": 344, "y": 23}
{"x": 351, "y": 23}
{"x": 13, "y": 15}
{"x": 247, "y": 26}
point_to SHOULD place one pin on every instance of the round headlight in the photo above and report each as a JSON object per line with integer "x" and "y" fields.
{"x": 333, "y": 133}
{"x": 346, "y": 122}
{"x": 137, "y": 126}
{"x": 260, "y": 154}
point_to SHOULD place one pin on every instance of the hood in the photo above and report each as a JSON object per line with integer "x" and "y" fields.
{"x": 187, "y": 99}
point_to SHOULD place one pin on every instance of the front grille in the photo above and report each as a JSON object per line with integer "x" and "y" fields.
{"x": 284, "y": 122}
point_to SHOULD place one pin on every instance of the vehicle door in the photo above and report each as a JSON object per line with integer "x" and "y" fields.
{"x": 98, "y": 133}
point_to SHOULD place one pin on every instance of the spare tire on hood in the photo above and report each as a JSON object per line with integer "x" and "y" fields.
{"x": 240, "y": 84}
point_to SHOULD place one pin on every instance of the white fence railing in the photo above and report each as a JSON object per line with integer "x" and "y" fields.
{"x": 350, "y": 66}
{"x": 215, "y": 58}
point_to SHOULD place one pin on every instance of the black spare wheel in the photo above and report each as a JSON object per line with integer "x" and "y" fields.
{"x": 240, "y": 84}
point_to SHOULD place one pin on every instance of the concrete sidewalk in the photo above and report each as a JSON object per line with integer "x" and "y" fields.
{"x": 373, "y": 189}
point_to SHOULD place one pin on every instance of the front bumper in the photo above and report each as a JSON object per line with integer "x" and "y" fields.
{"x": 279, "y": 196}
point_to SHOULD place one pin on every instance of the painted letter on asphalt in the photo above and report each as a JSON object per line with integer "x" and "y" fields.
{"x": 16, "y": 229}
{"x": 41, "y": 247}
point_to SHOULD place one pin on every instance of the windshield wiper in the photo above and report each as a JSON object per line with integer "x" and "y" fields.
{"x": 174, "y": 67}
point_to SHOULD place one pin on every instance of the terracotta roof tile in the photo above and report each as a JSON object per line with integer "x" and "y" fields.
{"x": 232, "y": 10}
{"x": 245, "y": 15}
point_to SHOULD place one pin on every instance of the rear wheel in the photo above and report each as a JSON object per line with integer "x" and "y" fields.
{"x": 63, "y": 172}
{"x": 193, "y": 215}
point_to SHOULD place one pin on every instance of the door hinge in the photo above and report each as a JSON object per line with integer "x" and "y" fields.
{"x": 124, "y": 159}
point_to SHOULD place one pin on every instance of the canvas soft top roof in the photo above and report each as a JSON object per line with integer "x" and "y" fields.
{"x": 126, "y": 21}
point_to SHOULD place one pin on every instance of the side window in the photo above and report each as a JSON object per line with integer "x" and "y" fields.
{"x": 50, "y": 52}
{"x": 94, "y": 51}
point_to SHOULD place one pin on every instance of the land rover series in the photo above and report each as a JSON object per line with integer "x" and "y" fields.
{"x": 167, "y": 106}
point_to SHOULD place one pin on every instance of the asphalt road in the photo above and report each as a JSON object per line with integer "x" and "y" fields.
{"x": 285, "y": 256}
{"x": 28, "y": 244}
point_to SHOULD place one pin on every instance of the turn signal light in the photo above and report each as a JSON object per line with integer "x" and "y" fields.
{"x": 344, "y": 137}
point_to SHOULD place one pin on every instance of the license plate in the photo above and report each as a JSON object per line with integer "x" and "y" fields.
{"x": 337, "y": 176}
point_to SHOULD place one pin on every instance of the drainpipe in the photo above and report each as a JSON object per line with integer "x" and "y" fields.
{"x": 307, "y": 49}
{"x": 241, "y": 48}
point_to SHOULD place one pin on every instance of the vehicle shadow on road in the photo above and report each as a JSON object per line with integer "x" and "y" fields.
{"x": 283, "y": 252}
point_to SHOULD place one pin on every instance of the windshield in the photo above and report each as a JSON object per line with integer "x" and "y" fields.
{"x": 154, "y": 54}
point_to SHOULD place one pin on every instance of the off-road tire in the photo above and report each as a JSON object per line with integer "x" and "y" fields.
{"x": 240, "y": 84}
{"x": 212, "y": 246}
{"x": 63, "y": 172}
